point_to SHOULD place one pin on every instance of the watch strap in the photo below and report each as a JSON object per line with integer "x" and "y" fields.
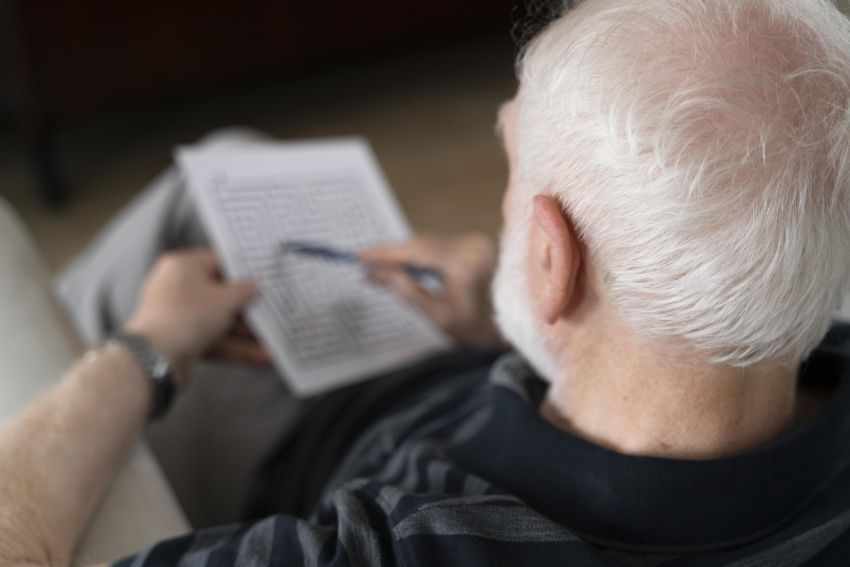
{"x": 156, "y": 367}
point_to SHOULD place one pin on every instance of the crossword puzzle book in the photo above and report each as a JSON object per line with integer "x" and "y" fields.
{"x": 323, "y": 323}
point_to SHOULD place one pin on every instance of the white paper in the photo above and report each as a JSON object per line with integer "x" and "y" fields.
{"x": 323, "y": 323}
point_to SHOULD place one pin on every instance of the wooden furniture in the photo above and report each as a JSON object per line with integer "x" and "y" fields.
{"x": 67, "y": 59}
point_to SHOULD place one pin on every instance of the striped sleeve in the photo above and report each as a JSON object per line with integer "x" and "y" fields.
{"x": 277, "y": 540}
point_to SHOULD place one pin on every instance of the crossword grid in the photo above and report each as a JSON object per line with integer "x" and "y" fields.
{"x": 324, "y": 307}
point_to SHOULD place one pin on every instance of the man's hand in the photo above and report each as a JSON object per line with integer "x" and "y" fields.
{"x": 240, "y": 345}
{"x": 463, "y": 310}
{"x": 59, "y": 454}
{"x": 185, "y": 308}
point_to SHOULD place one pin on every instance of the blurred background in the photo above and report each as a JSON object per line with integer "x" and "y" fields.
{"x": 95, "y": 94}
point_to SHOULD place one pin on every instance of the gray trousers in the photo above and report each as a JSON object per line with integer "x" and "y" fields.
{"x": 211, "y": 443}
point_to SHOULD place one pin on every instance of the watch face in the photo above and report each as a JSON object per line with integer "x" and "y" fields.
{"x": 155, "y": 366}
{"x": 160, "y": 369}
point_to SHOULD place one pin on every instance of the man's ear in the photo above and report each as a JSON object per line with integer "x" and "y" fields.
{"x": 555, "y": 258}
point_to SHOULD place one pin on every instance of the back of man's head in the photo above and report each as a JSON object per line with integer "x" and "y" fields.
{"x": 702, "y": 148}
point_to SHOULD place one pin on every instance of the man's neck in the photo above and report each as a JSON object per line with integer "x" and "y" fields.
{"x": 642, "y": 404}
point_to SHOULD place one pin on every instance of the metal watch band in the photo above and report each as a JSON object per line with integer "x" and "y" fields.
{"x": 155, "y": 365}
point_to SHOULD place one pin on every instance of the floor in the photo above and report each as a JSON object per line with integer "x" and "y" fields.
{"x": 429, "y": 114}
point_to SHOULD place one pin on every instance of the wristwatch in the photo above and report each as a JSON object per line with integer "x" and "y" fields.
{"x": 155, "y": 365}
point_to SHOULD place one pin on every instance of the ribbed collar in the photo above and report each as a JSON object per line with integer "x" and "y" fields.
{"x": 646, "y": 503}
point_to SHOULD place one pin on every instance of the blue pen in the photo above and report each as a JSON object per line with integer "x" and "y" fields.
{"x": 429, "y": 278}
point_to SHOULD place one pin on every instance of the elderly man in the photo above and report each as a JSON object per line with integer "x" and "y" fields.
{"x": 676, "y": 223}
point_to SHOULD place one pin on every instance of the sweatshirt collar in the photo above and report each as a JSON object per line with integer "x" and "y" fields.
{"x": 649, "y": 503}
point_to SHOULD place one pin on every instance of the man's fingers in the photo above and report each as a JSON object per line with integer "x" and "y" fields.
{"x": 378, "y": 274}
{"x": 236, "y": 293}
{"x": 204, "y": 258}
{"x": 384, "y": 254}
{"x": 242, "y": 350}
{"x": 417, "y": 250}
{"x": 241, "y": 329}
{"x": 240, "y": 294}
{"x": 406, "y": 287}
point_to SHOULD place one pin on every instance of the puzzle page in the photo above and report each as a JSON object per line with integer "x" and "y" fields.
{"x": 323, "y": 323}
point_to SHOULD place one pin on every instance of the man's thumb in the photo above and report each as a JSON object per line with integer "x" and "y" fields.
{"x": 241, "y": 293}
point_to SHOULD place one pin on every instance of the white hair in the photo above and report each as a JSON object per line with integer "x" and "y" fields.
{"x": 702, "y": 148}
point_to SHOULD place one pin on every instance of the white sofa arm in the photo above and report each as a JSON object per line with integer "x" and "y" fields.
{"x": 37, "y": 345}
